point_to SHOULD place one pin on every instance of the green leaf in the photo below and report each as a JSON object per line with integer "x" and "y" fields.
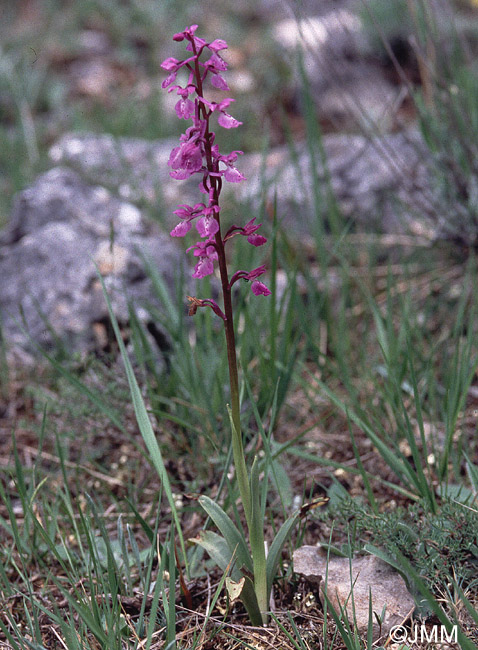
{"x": 276, "y": 548}
{"x": 233, "y": 536}
{"x": 472, "y": 471}
{"x": 249, "y": 598}
{"x": 256, "y": 536}
{"x": 218, "y": 550}
{"x": 144, "y": 423}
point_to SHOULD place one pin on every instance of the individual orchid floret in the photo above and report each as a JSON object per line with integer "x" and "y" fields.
{"x": 181, "y": 229}
{"x": 208, "y": 225}
{"x": 185, "y": 108}
{"x": 219, "y": 82}
{"x": 187, "y": 213}
{"x": 231, "y": 174}
{"x": 185, "y": 160}
{"x": 260, "y": 289}
{"x": 171, "y": 64}
{"x": 215, "y": 64}
{"x": 206, "y": 251}
{"x": 217, "y": 45}
{"x": 248, "y": 275}
{"x": 249, "y": 231}
{"x": 225, "y": 120}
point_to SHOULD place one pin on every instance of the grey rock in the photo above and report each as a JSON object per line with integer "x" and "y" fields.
{"x": 59, "y": 229}
{"x": 381, "y": 183}
{"x": 371, "y": 178}
{"x": 134, "y": 169}
{"x": 349, "y": 86}
{"x": 365, "y": 575}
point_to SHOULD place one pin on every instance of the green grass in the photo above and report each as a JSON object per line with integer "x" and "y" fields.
{"x": 358, "y": 377}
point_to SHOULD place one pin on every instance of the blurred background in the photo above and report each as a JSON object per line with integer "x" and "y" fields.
{"x": 94, "y": 66}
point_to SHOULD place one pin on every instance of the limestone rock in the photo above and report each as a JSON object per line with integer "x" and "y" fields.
{"x": 381, "y": 183}
{"x": 370, "y": 178}
{"x": 349, "y": 86}
{"x": 368, "y": 575}
{"x": 60, "y": 226}
{"x": 134, "y": 169}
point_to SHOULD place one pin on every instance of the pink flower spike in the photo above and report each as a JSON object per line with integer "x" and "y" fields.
{"x": 259, "y": 289}
{"x": 256, "y": 240}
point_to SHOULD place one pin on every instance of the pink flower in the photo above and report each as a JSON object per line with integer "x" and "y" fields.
{"x": 257, "y": 240}
{"x": 185, "y": 160}
{"x": 181, "y": 229}
{"x": 206, "y": 251}
{"x": 207, "y": 226}
{"x": 185, "y": 108}
{"x": 249, "y": 231}
{"x": 233, "y": 175}
{"x": 219, "y": 82}
{"x": 185, "y": 211}
{"x": 203, "y": 267}
{"x": 169, "y": 80}
{"x": 217, "y": 45}
{"x": 225, "y": 120}
{"x": 171, "y": 64}
{"x": 255, "y": 273}
{"x": 258, "y": 289}
{"x": 215, "y": 64}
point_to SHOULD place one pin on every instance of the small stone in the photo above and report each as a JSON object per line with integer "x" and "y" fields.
{"x": 369, "y": 575}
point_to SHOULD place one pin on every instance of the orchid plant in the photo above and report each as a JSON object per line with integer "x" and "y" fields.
{"x": 251, "y": 572}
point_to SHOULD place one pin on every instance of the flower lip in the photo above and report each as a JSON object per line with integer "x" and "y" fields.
{"x": 260, "y": 289}
{"x": 217, "y": 45}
